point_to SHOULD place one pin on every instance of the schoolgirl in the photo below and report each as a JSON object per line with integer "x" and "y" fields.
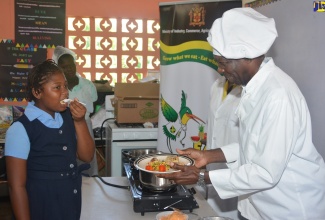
{"x": 42, "y": 146}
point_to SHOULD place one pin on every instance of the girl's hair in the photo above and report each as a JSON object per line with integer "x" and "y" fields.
{"x": 40, "y": 75}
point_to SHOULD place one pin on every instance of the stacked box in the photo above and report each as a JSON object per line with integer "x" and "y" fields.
{"x": 136, "y": 102}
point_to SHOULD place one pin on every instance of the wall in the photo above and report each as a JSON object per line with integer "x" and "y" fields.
{"x": 299, "y": 51}
{"x": 7, "y": 19}
{"x": 135, "y": 9}
{"x": 92, "y": 8}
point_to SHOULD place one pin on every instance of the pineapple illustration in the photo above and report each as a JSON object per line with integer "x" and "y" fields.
{"x": 201, "y": 131}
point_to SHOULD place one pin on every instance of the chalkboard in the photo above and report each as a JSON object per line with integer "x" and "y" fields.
{"x": 39, "y": 26}
{"x": 16, "y": 62}
{"x": 41, "y": 23}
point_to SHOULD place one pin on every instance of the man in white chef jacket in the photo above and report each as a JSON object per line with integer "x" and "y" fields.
{"x": 279, "y": 173}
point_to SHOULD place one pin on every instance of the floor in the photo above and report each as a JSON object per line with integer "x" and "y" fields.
{"x": 5, "y": 207}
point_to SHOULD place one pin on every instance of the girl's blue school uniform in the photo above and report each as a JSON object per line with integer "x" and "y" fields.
{"x": 53, "y": 178}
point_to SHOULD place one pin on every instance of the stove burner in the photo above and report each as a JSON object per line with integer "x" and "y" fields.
{"x": 146, "y": 200}
{"x": 148, "y": 190}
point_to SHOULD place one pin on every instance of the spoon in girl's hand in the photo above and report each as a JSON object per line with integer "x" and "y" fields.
{"x": 70, "y": 100}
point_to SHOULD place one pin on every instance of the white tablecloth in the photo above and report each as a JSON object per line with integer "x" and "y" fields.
{"x": 100, "y": 201}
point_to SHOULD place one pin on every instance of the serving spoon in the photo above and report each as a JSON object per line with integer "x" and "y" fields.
{"x": 70, "y": 100}
{"x": 170, "y": 206}
{"x": 176, "y": 209}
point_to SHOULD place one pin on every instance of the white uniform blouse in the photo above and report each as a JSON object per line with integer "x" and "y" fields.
{"x": 280, "y": 174}
{"x": 85, "y": 92}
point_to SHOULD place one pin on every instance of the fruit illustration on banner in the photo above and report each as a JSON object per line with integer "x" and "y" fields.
{"x": 199, "y": 142}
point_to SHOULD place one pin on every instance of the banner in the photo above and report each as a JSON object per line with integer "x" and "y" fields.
{"x": 187, "y": 71}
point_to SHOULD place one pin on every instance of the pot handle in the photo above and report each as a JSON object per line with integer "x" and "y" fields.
{"x": 126, "y": 153}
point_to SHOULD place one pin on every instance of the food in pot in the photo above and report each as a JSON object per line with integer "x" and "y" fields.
{"x": 175, "y": 215}
{"x": 172, "y": 158}
{"x": 149, "y": 179}
{"x": 157, "y": 165}
{"x": 161, "y": 165}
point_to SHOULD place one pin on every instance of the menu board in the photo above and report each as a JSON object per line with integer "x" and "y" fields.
{"x": 16, "y": 62}
{"x": 40, "y": 23}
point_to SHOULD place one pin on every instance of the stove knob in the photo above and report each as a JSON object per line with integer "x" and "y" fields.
{"x": 192, "y": 191}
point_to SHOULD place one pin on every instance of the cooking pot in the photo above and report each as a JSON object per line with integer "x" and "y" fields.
{"x": 150, "y": 180}
{"x": 134, "y": 154}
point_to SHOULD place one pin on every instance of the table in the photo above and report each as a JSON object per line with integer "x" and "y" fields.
{"x": 100, "y": 201}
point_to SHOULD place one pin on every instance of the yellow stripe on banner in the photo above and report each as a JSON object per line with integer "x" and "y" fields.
{"x": 202, "y": 45}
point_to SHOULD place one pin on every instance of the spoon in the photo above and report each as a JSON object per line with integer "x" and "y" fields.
{"x": 70, "y": 100}
{"x": 170, "y": 206}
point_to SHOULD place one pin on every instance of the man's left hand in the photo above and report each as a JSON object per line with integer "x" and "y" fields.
{"x": 186, "y": 176}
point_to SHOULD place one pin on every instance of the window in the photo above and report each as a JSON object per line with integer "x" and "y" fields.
{"x": 117, "y": 50}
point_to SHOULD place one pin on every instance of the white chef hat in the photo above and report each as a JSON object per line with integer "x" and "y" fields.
{"x": 242, "y": 33}
{"x": 59, "y": 51}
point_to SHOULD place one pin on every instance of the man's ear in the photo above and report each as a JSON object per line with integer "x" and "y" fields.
{"x": 36, "y": 93}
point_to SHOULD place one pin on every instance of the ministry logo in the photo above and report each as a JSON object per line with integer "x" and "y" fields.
{"x": 319, "y": 6}
{"x": 197, "y": 16}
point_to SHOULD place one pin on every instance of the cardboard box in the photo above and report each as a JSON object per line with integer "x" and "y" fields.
{"x": 136, "y": 102}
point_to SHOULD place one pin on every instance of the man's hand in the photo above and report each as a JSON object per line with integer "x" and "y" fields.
{"x": 196, "y": 155}
{"x": 188, "y": 174}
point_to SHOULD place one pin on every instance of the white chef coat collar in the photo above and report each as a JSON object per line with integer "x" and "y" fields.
{"x": 259, "y": 77}
{"x": 222, "y": 80}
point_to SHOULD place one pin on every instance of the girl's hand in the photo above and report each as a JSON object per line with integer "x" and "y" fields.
{"x": 78, "y": 110}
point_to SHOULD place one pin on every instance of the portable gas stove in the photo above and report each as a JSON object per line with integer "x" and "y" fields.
{"x": 145, "y": 200}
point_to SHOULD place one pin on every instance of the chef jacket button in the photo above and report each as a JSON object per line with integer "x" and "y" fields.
{"x": 67, "y": 174}
{"x": 61, "y": 174}
{"x": 65, "y": 147}
{"x": 73, "y": 173}
{"x": 75, "y": 191}
{"x": 60, "y": 131}
{"x": 71, "y": 166}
